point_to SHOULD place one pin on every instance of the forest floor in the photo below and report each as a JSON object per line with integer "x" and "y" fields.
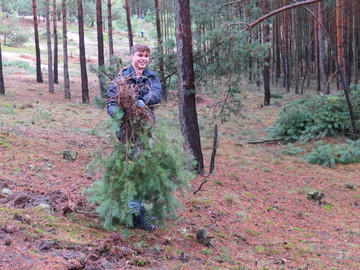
{"x": 254, "y": 206}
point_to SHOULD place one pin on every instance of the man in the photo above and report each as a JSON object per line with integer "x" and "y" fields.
{"x": 149, "y": 94}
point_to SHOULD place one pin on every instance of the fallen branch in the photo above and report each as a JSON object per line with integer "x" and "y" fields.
{"x": 203, "y": 182}
{"x": 267, "y": 141}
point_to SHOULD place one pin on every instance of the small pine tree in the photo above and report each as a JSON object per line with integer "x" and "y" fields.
{"x": 151, "y": 176}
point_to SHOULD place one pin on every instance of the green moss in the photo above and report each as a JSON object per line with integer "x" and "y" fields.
{"x": 206, "y": 251}
{"x": 260, "y": 249}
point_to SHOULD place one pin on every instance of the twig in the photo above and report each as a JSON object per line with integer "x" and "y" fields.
{"x": 203, "y": 182}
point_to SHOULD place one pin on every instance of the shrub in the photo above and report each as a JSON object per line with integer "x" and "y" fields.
{"x": 16, "y": 39}
{"x": 292, "y": 150}
{"x": 151, "y": 176}
{"x": 327, "y": 155}
{"x": 314, "y": 117}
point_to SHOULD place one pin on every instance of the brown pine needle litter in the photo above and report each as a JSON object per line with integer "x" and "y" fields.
{"x": 136, "y": 120}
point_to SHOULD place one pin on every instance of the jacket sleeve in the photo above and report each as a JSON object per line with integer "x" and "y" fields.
{"x": 112, "y": 106}
{"x": 154, "y": 96}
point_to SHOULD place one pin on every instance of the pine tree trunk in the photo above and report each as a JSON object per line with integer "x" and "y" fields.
{"x": 339, "y": 37}
{"x": 39, "y": 77}
{"x": 347, "y": 22}
{"x": 277, "y": 49}
{"x": 110, "y": 33}
{"x": 266, "y": 68}
{"x": 316, "y": 50}
{"x": 100, "y": 35}
{"x": 100, "y": 41}
{"x": 356, "y": 41}
{"x": 324, "y": 81}
{"x": 185, "y": 68}
{"x": 295, "y": 51}
{"x": 84, "y": 78}
{"x": 56, "y": 56}
{"x": 2, "y": 85}
{"x": 128, "y": 22}
{"x": 286, "y": 49}
{"x": 48, "y": 38}
{"x": 160, "y": 48}
{"x": 65, "y": 52}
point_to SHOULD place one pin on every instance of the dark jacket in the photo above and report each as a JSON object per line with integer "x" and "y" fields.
{"x": 150, "y": 88}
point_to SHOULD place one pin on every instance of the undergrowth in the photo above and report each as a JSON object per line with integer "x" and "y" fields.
{"x": 327, "y": 155}
{"x": 314, "y": 117}
{"x": 151, "y": 176}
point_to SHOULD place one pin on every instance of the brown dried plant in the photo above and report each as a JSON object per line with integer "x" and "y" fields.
{"x": 136, "y": 120}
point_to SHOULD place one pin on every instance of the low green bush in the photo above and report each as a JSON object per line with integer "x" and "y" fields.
{"x": 327, "y": 155}
{"x": 314, "y": 117}
{"x": 17, "y": 39}
{"x": 151, "y": 176}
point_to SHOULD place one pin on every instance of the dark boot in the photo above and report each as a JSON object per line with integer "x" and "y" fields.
{"x": 139, "y": 221}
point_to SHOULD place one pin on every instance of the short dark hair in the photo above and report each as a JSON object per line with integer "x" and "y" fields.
{"x": 139, "y": 48}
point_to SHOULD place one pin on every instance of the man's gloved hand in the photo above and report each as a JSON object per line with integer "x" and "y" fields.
{"x": 140, "y": 103}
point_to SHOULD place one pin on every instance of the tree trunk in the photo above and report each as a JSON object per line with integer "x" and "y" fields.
{"x": 339, "y": 38}
{"x": 277, "y": 49}
{"x": 2, "y": 85}
{"x": 266, "y": 68}
{"x": 65, "y": 52}
{"x": 356, "y": 41}
{"x": 286, "y": 49}
{"x": 110, "y": 33}
{"x": 39, "y": 77}
{"x": 100, "y": 34}
{"x": 316, "y": 50}
{"x": 128, "y": 21}
{"x": 56, "y": 56}
{"x": 48, "y": 38}
{"x": 84, "y": 78}
{"x": 160, "y": 48}
{"x": 100, "y": 40}
{"x": 324, "y": 81}
{"x": 185, "y": 68}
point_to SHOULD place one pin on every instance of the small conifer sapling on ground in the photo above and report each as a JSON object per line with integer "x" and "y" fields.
{"x": 150, "y": 176}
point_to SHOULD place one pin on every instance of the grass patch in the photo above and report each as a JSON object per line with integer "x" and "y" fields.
{"x": 328, "y": 207}
{"x": 20, "y": 65}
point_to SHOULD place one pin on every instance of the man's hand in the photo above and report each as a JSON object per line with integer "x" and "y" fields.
{"x": 140, "y": 103}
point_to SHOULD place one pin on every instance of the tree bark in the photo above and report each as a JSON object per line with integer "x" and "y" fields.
{"x": 100, "y": 34}
{"x": 339, "y": 38}
{"x": 324, "y": 81}
{"x": 277, "y": 49}
{"x": 2, "y": 85}
{"x": 185, "y": 68}
{"x": 84, "y": 77}
{"x": 100, "y": 41}
{"x": 110, "y": 33}
{"x": 356, "y": 41}
{"x": 39, "y": 77}
{"x": 48, "y": 38}
{"x": 128, "y": 22}
{"x": 65, "y": 52}
{"x": 286, "y": 50}
{"x": 56, "y": 55}
{"x": 160, "y": 48}
{"x": 266, "y": 68}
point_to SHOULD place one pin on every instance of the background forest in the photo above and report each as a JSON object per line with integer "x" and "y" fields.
{"x": 260, "y": 93}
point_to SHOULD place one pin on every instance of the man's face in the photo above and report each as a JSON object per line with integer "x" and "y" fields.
{"x": 139, "y": 60}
